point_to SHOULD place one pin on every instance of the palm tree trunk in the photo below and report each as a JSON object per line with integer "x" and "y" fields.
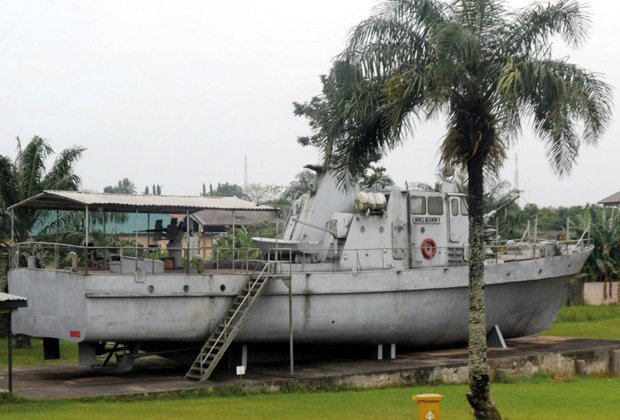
{"x": 479, "y": 395}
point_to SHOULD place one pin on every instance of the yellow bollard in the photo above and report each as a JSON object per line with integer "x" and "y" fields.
{"x": 428, "y": 406}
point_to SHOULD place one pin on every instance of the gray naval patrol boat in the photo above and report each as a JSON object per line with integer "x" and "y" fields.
{"x": 386, "y": 266}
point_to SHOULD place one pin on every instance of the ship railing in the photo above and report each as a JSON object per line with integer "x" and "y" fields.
{"x": 377, "y": 259}
{"x": 120, "y": 259}
{"x": 160, "y": 259}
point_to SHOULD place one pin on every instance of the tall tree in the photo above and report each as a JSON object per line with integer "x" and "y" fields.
{"x": 24, "y": 177}
{"x": 263, "y": 193}
{"x": 483, "y": 68}
{"x": 124, "y": 186}
{"x": 228, "y": 190}
{"x": 27, "y": 176}
{"x": 146, "y": 190}
{"x": 302, "y": 184}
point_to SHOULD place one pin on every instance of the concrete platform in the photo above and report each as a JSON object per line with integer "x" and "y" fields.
{"x": 524, "y": 357}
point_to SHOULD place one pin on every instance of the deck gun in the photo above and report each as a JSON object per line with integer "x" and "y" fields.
{"x": 492, "y": 213}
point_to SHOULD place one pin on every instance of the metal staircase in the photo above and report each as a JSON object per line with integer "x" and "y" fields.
{"x": 236, "y": 315}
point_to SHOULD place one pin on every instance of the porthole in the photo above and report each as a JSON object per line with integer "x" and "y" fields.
{"x": 363, "y": 229}
{"x": 223, "y": 288}
{"x": 151, "y": 289}
{"x": 381, "y": 229}
{"x": 186, "y": 288}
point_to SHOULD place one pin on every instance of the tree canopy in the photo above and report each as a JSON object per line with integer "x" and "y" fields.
{"x": 27, "y": 175}
{"x": 124, "y": 186}
{"x": 482, "y": 67}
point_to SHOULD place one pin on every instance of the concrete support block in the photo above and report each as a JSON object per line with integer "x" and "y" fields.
{"x": 580, "y": 367}
{"x": 614, "y": 362}
{"x": 87, "y": 354}
{"x": 392, "y": 351}
{"x": 380, "y": 352}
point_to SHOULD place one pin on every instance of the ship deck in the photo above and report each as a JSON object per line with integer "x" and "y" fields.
{"x": 524, "y": 357}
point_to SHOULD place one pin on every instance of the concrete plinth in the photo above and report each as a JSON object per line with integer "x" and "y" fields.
{"x": 614, "y": 365}
{"x": 524, "y": 357}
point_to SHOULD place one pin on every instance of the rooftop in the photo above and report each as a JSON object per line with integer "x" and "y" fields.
{"x": 125, "y": 203}
{"x": 611, "y": 200}
{"x": 9, "y": 303}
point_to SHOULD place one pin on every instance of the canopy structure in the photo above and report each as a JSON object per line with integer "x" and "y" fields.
{"x": 214, "y": 220}
{"x": 8, "y": 305}
{"x": 612, "y": 200}
{"x": 125, "y": 203}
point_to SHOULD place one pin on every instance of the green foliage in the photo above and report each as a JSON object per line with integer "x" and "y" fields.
{"x": 263, "y": 193}
{"x": 27, "y": 175}
{"x": 124, "y": 186}
{"x": 227, "y": 190}
{"x": 485, "y": 68}
{"x": 477, "y": 62}
{"x": 243, "y": 240}
{"x": 376, "y": 175}
{"x": 604, "y": 262}
{"x": 302, "y": 184}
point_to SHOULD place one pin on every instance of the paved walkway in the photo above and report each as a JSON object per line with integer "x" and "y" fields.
{"x": 160, "y": 375}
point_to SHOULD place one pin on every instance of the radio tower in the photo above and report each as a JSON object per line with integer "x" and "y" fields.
{"x": 516, "y": 172}
{"x": 245, "y": 173}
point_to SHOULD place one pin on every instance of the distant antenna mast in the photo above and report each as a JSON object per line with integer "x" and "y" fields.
{"x": 517, "y": 171}
{"x": 245, "y": 173}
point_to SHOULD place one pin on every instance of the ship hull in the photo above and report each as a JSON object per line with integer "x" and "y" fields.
{"x": 418, "y": 307}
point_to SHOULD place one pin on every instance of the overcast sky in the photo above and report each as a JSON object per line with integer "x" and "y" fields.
{"x": 177, "y": 92}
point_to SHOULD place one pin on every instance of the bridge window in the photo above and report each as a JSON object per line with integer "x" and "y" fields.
{"x": 454, "y": 203}
{"x": 435, "y": 205}
{"x": 464, "y": 208}
{"x": 418, "y": 205}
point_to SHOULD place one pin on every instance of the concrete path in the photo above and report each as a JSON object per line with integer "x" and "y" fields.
{"x": 524, "y": 357}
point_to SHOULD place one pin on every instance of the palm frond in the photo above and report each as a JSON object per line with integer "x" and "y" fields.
{"x": 396, "y": 34}
{"x": 558, "y": 96}
{"x": 534, "y": 26}
{"x": 61, "y": 175}
{"x": 31, "y": 166}
{"x": 9, "y": 187}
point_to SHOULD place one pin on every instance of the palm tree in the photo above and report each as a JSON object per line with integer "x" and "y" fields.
{"x": 483, "y": 68}
{"x": 25, "y": 177}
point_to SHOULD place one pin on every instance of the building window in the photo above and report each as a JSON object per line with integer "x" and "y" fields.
{"x": 464, "y": 208}
{"x": 435, "y": 205}
{"x": 418, "y": 205}
{"x": 454, "y": 203}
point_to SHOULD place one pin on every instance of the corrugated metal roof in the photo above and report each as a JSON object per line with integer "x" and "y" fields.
{"x": 11, "y": 303}
{"x": 224, "y": 217}
{"x": 75, "y": 200}
{"x": 5, "y": 297}
{"x": 612, "y": 199}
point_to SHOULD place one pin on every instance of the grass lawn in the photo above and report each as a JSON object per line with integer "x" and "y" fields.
{"x": 34, "y": 355}
{"x": 588, "y": 322}
{"x": 530, "y": 399}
